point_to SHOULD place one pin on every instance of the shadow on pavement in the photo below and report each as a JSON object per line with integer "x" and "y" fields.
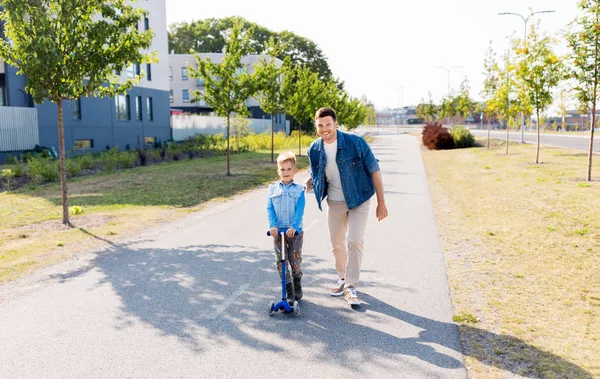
{"x": 206, "y": 294}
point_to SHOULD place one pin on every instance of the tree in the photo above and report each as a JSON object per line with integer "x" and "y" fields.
{"x": 304, "y": 93}
{"x": 69, "y": 49}
{"x": 210, "y": 36}
{"x": 270, "y": 90}
{"x": 427, "y": 110}
{"x": 540, "y": 70}
{"x": 490, "y": 86}
{"x": 504, "y": 102}
{"x": 584, "y": 41}
{"x": 447, "y": 107}
{"x": 562, "y": 107}
{"x": 227, "y": 85}
{"x": 464, "y": 105}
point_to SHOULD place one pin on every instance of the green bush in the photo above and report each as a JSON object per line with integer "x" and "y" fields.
{"x": 8, "y": 176}
{"x": 18, "y": 168}
{"x": 73, "y": 167}
{"x": 109, "y": 159}
{"x": 87, "y": 161}
{"x": 462, "y": 137}
{"x": 127, "y": 159}
{"x": 43, "y": 169}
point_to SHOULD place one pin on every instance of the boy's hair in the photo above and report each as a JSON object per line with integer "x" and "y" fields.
{"x": 324, "y": 112}
{"x": 288, "y": 156}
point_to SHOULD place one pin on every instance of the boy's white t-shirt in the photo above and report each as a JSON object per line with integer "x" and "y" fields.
{"x": 332, "y": 174}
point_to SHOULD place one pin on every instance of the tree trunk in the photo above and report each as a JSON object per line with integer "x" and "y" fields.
{"x": 506, "y": 122}
{"x": 489, "y": 129}
{"x": 63, "y": 171}
{"x": 228, "y": 172}
{"x": 299, "y": 141}
{"x": 591, "y": 152}
{"x": 272, "y": 138}
{"x": 537, "y": 150}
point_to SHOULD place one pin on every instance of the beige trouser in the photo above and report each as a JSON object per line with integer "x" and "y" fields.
{"x": 348, "y": 253}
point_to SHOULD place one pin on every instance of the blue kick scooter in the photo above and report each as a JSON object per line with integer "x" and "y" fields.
{"x": 283, "y": 305}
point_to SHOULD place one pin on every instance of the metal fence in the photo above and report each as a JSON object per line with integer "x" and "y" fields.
{"x": 18, "y": 129}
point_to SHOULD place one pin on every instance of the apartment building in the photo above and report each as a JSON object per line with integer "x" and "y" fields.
{"x": 182, "y": 86}
{"x": 94, "y": 124}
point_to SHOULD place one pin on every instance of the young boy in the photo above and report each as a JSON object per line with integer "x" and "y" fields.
{"x": 285, "y": 208}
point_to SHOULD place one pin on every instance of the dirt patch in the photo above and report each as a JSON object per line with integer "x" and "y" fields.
{"x": 86, "y": 222}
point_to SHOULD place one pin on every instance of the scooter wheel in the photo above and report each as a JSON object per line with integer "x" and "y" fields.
{"x": 271, "y": 308}
{"x": 296, "y": 309}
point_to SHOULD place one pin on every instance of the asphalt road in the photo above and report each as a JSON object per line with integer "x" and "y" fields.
{"x": 189, "y": 299}
{"x": 569, "y": 141}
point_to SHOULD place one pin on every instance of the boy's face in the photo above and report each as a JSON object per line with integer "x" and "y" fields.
{"x": 326, "y": 129}
{"x": 286, "y": 171}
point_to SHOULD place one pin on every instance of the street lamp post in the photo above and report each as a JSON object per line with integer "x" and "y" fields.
{"x": 400, "y": 93}
{"x": 525, "y": 19}
{"x": 448, "y": 69}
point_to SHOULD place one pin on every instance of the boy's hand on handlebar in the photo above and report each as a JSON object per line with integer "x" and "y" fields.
{"x": 274, "y": 232}
{"x": 290, "y": 232}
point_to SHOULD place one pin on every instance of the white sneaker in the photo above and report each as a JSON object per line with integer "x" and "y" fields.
{"x": 338, "y": 290}
{"x": 351, "y": 296}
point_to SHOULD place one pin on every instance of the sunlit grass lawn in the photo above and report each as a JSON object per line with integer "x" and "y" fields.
{"x": 523, "y": 255}
{"x": 116, "y": 204}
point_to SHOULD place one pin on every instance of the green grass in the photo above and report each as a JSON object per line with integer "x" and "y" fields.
{"x": 117, "y": 203}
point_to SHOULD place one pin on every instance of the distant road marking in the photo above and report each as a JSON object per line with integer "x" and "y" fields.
{"x": 224, "y": 305}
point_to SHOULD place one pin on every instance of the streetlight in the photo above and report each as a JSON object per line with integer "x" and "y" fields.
{"x": 448, "y": 69}
{"x": 400, "y": 93}
{"x": 525, "y": 19}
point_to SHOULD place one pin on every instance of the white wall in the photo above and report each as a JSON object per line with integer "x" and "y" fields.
{"x": 18, "y": 128}
{"x": 157, "y": 18}
{"x": 185, "y": 126}
{"x": 177, "y": 85}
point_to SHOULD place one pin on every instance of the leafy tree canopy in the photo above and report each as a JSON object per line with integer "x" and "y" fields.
{"x": 210, "y": 36}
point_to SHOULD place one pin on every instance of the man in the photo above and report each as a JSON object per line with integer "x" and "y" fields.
{"x": 344, "y": 169}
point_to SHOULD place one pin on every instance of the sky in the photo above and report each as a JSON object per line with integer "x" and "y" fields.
{"x": 389, "y": 50}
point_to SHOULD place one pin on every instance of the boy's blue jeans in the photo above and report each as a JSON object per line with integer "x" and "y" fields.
{"x": 293, "y": 254}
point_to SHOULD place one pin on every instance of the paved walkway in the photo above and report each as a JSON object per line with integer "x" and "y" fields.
{"x": 189, "y": 299}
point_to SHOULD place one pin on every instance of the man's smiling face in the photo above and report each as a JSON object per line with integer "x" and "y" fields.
{"x": 326, "y": 129}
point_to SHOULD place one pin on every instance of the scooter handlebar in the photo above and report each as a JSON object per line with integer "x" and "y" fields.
{"x": 281, "y": 230}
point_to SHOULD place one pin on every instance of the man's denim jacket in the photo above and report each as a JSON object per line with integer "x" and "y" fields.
{"x": 285, "y": 206}
{"x": 356, "y": 164}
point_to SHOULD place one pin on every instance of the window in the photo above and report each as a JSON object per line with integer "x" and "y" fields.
{"x": 149, "y": 140}
{"x": 171, "y": 96}
{"x": 171, "y": 73}
{"x": 138, "y": 108}
{"x": 77, "y": 109}
{"x": 146, "y": 23}
{"x": 133, "y": 70}
{"x": 186, "y": 96}
{"x": 184, "y": 73}
{"x": 200, "y": 82}
{"x": 148, "y": 71}
{"x": 122, "y": 107}
{"x": 84, "y": 144}
{"x": 149, "y": 109}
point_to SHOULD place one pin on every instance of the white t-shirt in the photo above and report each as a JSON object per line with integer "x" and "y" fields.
{"x": 332, "y": 174}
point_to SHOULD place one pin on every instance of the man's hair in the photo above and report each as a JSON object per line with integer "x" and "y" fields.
{"x": 288, "y": 156}
{"x": 324, "y": 112}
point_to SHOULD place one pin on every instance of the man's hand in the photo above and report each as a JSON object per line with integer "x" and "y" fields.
{"x": 309, "y": 184}
{"x": 274, "y": 232}
{"x": 290, "y": 232}
{"x": 381, "y": 211}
